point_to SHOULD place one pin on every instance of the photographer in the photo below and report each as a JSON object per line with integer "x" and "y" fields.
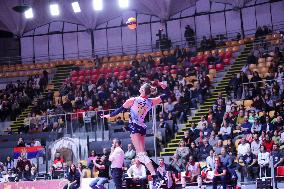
{"x": 189, "y": 35}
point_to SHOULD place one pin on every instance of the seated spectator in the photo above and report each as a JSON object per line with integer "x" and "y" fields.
{"x": 218, "y": 147}
{"x": 213, "y": 139}
{"x": 194, "y": 132}
{"x": 255, "y": 145}
{"x": 225, "y": 131}
{"x": 267, "y": 126}
{"x": 182, "y": 151}
{"x": 251, "y": 59}
{"x": 225, "y": 158}
{"x": 103, "y": 167}
{"x": 26, "y": 174}
{"x": 221, "y": 174}
{"x": 246, "y": 126}
{"x": 58, "y": 161}
{"x": 129, "y": 155}
{"x": 21, "y": 143}
{"x": 276, "y": 138}
{"x": 210, "y": 160}
{"x": 9, "y": 164}
{"x": 34, "y": 173}
{"x": 194, "y": 151}
{"x": 256, "y": 127}
{"x": 137, "y": 175}
{"x": 74, "y": 178}
{"x": 166, "y": 174}
{"x": 186, "y": 139}
{"x": 201, "y": 124}
{"x": 243, "y": 148}
{"x": 191, "y": 172}
{"x": 178, "y": 163}
{"x": 203, "y": 44}
{"x": 249, "y": 167}
{"x": 204, "y": 150}
{"x": 22, "y": 162}
{"x": 268, "y": 143}
{"x": 263, "y": 161}
{"x": 207, "y": 130}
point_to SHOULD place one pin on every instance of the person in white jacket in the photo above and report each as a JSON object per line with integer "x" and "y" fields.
{"x": 263, "y": 161}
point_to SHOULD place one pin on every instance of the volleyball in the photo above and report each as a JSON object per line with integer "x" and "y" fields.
{"x": 131, "y": 23}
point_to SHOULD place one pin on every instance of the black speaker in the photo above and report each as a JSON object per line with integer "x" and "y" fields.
{"x": 264, "y": 183}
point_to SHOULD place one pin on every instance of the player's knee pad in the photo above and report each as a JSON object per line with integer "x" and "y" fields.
{"x": 143, "y": 158}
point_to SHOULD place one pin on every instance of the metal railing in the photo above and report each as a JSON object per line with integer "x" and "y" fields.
{"x": 85, "y": 121}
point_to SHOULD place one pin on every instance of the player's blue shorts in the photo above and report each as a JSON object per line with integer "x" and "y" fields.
{"x": 134, "y": 128}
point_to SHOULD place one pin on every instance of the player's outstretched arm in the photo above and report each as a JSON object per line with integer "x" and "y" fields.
{"x": 127, "y": 104}
{"x": 162, "y": 97}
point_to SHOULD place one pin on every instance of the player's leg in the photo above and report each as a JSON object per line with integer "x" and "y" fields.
{"x": 138, "y": 141}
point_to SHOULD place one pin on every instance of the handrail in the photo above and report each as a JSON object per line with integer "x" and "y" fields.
{"x": 262, "y": 81}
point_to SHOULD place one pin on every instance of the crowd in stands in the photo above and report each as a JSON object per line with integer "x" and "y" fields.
{"x": 17, "y": 96}
{"x": 22, "y": 169}
{"x": 244, "y": 135}
{"x": 189, "y": 84}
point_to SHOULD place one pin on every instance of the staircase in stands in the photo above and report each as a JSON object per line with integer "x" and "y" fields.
{"x": 62, "y": 72}
{"x": 203, "y": 109}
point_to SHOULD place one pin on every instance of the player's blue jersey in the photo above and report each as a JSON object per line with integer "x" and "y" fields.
{"x": 139, "y": 110}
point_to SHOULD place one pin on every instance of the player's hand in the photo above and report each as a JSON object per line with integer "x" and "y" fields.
{"x": 161, "y": 84}
{"x": 105, "y": 116}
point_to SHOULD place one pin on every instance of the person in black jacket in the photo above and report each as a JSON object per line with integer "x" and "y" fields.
{"x": 73, "y": 178}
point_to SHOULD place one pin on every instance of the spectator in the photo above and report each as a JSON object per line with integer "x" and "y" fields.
{"x": 191, "y": 173}
{"x": 218, "y": 147}
{"x": 137, "y": 175}
{"x": 277, "y": 156}
{"x": 58, "y": 161}
{"x": 9, "y": 164}
{"x": 194, "y": 132}
{"x": 26, "y": 173}
{"x": 22, "y": 162}
{"x": 263, "y": 161}
{"x": 21, "y": 143}
{"x": 210, "y": 160}
{"x": 166, "y": 174}
{"x": 103, "y": 167}
{"x": 268, "y": 143}
{"x": 225, "y": 159}
{"x": 129, "y": 155}
{"x": 201, "y": 124}
{"x": 182, "y": 151}
{"x": 221, "y": 174}
{"x": 34, "y": 173}
{"x": 255, "y": 145}
{"x": 204, "y": 150}
{"x": 249, "y": 166}
{"x": 225, "y": 131}
{"x": 189, "y": 35}
{"x": 243, "y": 148}
{"x": 246, "y": 126}
{"x": 10, "y": 176}
{"x": 194, "y": 151}
{"x": 186, "y": 139}
{"x": 73, "y": 178}
{"x": 178, "y": 163}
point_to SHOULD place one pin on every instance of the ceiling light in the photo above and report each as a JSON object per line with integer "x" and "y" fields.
{"x": 54, "y": 9}
{"x": 98, "y": 5}
{"x": 76, "y": 7}
{"x": 29, "y": 13}
{"x": 123, "y": 3}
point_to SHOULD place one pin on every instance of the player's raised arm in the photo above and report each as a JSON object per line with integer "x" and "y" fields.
{"x": 127, "y": 104}
{"x": 162, "y": 97}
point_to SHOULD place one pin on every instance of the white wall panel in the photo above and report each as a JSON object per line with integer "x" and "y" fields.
{"x": 263, "y": 15}
{"x": 55, "y": 47}
{"x": 41, "y": 48}
{"x": 84, "y": 44}
{"x": 218, "y": 25}
{"x": 249, "y": 21}
{"x": 70, "y": 45}
{"x": 143, "y": 34}
{"x": 27, "y": 49}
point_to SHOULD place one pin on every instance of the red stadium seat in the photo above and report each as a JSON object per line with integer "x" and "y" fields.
{"x": 87, "y": 72}
{"x": 219, "y": 67}
{"x": 173, "y": 71}
{"x": 174, "y": 66}
{"x": 81, "y": 72}
{"x": 74, "y": 73}
{"x": 193, "y": 60}
{"x": 210, "y": 66}
{"x": 280, "y": 171}
{"x": 94, "y": 72}
{"x": 199, "y": 58}
{"x": 116, "y": 74}
{"x": 228, "y": 55}
{"x": 226, "y": 61}
{"x": 166, "y": 68}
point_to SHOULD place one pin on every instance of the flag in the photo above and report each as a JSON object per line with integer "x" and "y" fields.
{"x": 30, "y": 152}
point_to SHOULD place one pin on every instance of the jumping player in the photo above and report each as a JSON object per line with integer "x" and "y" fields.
{"x": 139, "y": 107}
